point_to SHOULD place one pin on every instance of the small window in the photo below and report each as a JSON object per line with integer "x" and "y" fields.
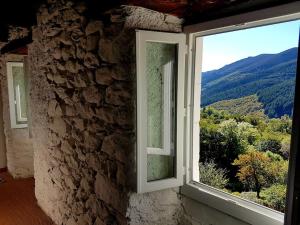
{"x": 17, "y": 94}
{"x": 160, "y": 76}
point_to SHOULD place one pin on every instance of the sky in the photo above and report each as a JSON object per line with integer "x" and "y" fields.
{"x": 222, "y": 49}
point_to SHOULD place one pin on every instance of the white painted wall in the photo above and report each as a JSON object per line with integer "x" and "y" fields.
{"x": 2, "y": 139}
{"x": 19, "y": 149}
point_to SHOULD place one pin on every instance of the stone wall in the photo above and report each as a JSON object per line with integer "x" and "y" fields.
{"x": 82, "y": 101}
{"x": 82, "y": 115}
{"x": 156, "y": 208}
{"x": 19, "y": 150}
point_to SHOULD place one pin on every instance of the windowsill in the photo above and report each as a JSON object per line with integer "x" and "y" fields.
{"x": 244, "y": 210}
{"x": 19, "y": 126}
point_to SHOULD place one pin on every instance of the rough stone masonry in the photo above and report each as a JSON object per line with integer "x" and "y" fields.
{"x": 82, "y": 102}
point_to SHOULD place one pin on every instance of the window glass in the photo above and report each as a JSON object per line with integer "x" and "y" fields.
{"x": 17, "y": 94}
{"x": 20, "y": 94}
{"x": 247, "y": 97}
{"x": 161, "y": 74}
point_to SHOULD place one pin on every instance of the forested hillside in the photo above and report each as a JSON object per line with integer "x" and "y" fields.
{"x": 245, "y": 155}
{"x": 243, "y": 106}
{"x": 269, "y": 76}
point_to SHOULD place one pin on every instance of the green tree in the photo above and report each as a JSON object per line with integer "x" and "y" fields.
{"x": 282, "y": 125}
{"x": 238, "y": 135}
{"x": 258, "y": 170}
{"x": 277, "y": 169}
{"x": 253, "y": 169}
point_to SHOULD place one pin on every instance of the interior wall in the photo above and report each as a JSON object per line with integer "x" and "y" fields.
{"x": 2, "y": 136}
{"x": 82, "y": 112}
{"x": 19, "y": 150}
{"x": 82, "y": 101}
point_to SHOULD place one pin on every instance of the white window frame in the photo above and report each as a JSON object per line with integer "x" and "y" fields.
{"x": 14, "y": 98}
{"x": 244, "y": 210}
{"x": 142, "y": 37}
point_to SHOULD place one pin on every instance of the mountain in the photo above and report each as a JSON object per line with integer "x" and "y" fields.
{"x": 269, "y": 76}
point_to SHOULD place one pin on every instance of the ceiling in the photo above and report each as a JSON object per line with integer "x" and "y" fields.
{"x": 23, "y": 13}
{"x": 195, "y": 11}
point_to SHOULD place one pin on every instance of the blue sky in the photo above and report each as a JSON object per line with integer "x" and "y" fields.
{"x": 222, "y": 49}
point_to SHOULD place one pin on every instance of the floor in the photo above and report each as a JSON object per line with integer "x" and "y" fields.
{"x": 18, "y": 204}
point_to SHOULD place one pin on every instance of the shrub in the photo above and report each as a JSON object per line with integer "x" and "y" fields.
{"x": 251, "y": 196}
{"x": 212, "y": 176}
{"x": 285, "y": 148}
{"x": 274, "y": 197}
{"x": 272, "y": 145}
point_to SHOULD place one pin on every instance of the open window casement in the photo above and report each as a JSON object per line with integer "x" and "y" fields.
{"x": 168, "y": 115}
{"x": 17, "y": 94}
{"x": 236, "y": 206}
{"x": 160, "y": 109}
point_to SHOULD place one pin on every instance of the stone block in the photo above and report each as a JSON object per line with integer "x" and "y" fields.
{"x": 57, "y": 54}
{"x": 107, "y": 51}
{"x": 71, "y": 66}
{"x": 79, "y": 124}
{"x": 104, "y": 76}
{"x": 116, "y": 145}
{"x": 90, "y": 141}
{"x": 92, "y": 42}
{"x": 78, "y": 82}
{"x": 59, "y": 79}
{"x": 94, "y": 27}
{"x": 84, "y": 219}
{"x": 106, "y": 114}
{"x": 66, "y": 147}
{"x": 71, "y": 221}
{"x": 54, "y": 109}
{"x": 84, "y": 184}
{"x": 118, "y": 94}
{"x": 70, "y": 183}
{"x": 91, "y": 60}
{"x": 125, "y": 117}
{"x": 70, "y": 15}
{"x": 59, "y": 126}
{"x": 98, "y": 221}
{"x": 108, "y": 193}
{"x": 65, "y": 38}
{"x": 69, "y": 111}
{"x": 92, "y": 95}
{"x": 121, "y": 72}
{"x": 54, "y": 139}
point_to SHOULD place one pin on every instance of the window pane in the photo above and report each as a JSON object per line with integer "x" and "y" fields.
{"x": 160, "y": 167}
{"x": 20, "y": 94}
{"x": 161, "y": 74}
{"x": 156, "y": 52}
{"x": 247, "y": 98}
